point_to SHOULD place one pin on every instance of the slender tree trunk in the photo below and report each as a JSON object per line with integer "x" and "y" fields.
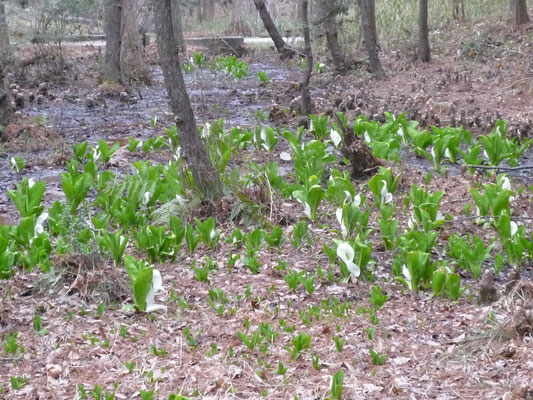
{"x": 113, "y": 22}
{"x": 307, "y": 106}
{"x": 5, "y": 106}
{"x": 194, "y": 150}
{"x": 237, "y": 17}
{"x": 424, "y": 52}
{"x": 177, "y": 25}
{"x": 210, "y": 10}
{"x": 5, "y": 48}
{"x": 458, "y": 10}
{"x": 199, "y": 13}
{"x": 272, "y": 30}
{"x": 132, "y": 62}
{"x": 519, "y": 14}
{"x": 328, "y": 17}
{"x": 368, "y": 22}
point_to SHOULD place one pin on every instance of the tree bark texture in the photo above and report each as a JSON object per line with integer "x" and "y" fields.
{"x": 5, "y": 49}
{"x": 195, "y": 153}
{"x": 519, "y": 14}
{"x": 113, "y": 22}
{"x": 424, "y": 52}
{"x": 272, "y": 30}
{"x": 368, "y": 22}
{"x": 329, "y": 23}
{"x": 458, "y": 10}
{"x": 237, "y": 18}
{"x": 132, "y": 62}
{"x": 5, "y": 106}
{"x": 209, "y": 13}
{"x": 177, "y": 25}
{"x": 307, "y": 106}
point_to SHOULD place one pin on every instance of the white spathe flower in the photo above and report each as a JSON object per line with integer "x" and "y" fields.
{"x": 447, "y": 153}
{"x": 335, "y": 137}
{"x": 311, "y": 126}
{"x": 386, "y": 197}
{"x": 346, "y": 253}
{"x": 307, "y": 207}
{"x": 38, "y": 229}
{"x": 433, "y": 155}
{"x": 213, "y": 234}
{"x": 485, "y": 154}
{"x": 96, "y": 154}
{"x": 146, "y": 198}
{"x": 514, "y": 228}
{"x": 13, "y": 164}
{"x": 348, "y": 198}
{"x": 357, "y": 200}
{"x": 157, "y": 284}
{"x": 439, "y": 216}
{"x": 400, "y": 132}
{"x": 344, "y": 230}
{"x": 367, "y": 138}
{"x": 411, "y": 223}
{"x": 407, "y": 275}
{"x": 31, "y": 182}
{"x": 506, "y": 183}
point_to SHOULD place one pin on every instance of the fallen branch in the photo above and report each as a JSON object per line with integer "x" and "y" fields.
{"x": 502, "y": 168}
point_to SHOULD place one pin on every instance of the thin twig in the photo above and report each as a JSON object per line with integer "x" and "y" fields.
{"x": 502, "y": 168}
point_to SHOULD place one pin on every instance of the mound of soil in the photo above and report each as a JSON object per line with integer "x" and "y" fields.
{"x": 26, "y": 135}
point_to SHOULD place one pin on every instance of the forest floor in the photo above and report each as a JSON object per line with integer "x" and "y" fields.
{"x": 434, "y": 348}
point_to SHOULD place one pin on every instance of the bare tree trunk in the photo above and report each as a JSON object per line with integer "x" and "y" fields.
{"x": 519, "y": 14}
{"x": 424, "y": 52}
{"x": 177, "y": 25}
{"x": 5, "y": 48}
{"x": 132, "y": 62}
{"x": 307, "y": 106}
{"x": 113, "y": 22}
{"x": 368, "y": 22}
{"x": 272, "y": 30}
{"x": 328, "y": 17}
{"x": 237, "y": 18}
{"x": 5, "y": 106}
{"x": 458, "y": 10}
{"x": 199, "y": 13}
{"x": 194, "y": 151}
{"x": 209, "y": 10}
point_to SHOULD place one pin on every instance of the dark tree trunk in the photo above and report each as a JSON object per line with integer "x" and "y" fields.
{"x": 368, "y": 22}
{"x": 272, "y": 30}
{"x": 424, "y": 52}
{"x": 328, "y": 17}
{"x": 113, "y": 23}
{"x": 5, "y": 49}
{"x": 519, "y": 14}
{"x": 195, "y": 153}
{"x": 306, "y": 94}
{"x": 5, "y": 106}
{"x": 177, "y": 25}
